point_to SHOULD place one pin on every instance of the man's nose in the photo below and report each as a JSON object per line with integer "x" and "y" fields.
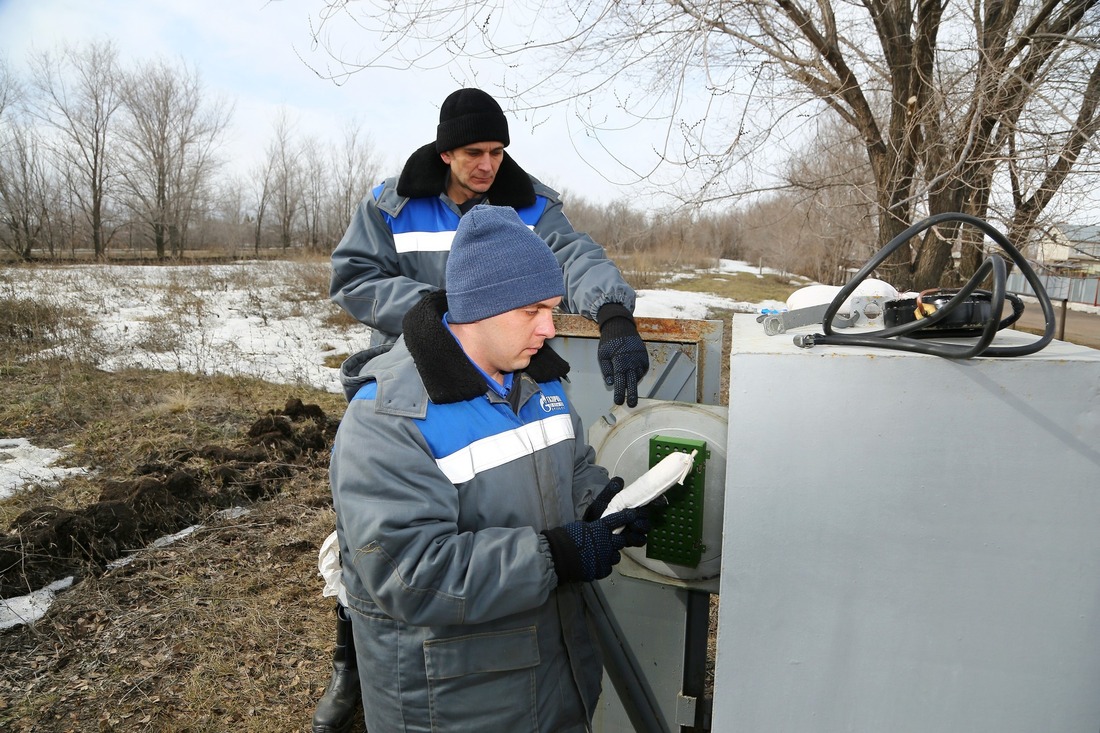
{"x": 545, "y": 327}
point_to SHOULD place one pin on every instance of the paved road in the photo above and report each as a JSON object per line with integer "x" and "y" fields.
{"x": 1080, "y": 327}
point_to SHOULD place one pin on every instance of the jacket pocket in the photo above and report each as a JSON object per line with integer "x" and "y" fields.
{"x": 483, "y": 682}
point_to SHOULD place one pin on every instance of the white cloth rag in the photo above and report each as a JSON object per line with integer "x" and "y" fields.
{"x": 331, "y": 569}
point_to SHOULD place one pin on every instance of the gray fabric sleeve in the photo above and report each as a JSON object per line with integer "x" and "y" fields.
{"x": 398, "y": 515}
{"x": 366, "y": 279}
{"x": 591, "y": 279}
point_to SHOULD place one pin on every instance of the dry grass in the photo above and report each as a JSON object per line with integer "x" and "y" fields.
{"x": 742, "y": 286}
{"x": 30, "y": 326}
{"x": 646, "y": 270}
{"x": 225, "y": 629}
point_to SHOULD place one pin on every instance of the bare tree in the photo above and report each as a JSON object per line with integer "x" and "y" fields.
{"x": 26, "y": 188}
{"x": 261, "y": 177}
{"x": 355, "y": 167}
{"x": 78, "y": 97}
{"x": 952, "y": 104}
{"x": 285, "y": 182}
{"x": 314, "y": 183}
{"x": 231, "y": 222}
{"x": 830, "y": 198}
{"x": 10, "y": 89}
{"x": 169, "y": 139}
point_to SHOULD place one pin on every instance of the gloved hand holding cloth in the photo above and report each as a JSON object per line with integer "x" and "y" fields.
{"x": 599, "y": 505}
{"x": 586, "y": 551}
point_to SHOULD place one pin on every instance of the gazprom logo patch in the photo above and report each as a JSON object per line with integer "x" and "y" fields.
{"x": 551, "y": 403}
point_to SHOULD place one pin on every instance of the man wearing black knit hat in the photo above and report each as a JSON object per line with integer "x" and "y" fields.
{"x": 396, "y": 247}
{"x": 471, "y": 138}
{"x": 396, "y": 250}
{"x": 470, "y": 512}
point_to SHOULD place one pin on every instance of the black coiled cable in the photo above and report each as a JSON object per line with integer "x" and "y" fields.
{"x": 897, "y": 338}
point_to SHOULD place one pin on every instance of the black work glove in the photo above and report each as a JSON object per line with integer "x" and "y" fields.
{"x": 586, "y": 551}
{"x": 622, "y": 353}
{"x": 637, "y": 531}
{"x": 599, "y": 505}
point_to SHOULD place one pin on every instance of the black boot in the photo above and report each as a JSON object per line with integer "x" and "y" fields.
{"x": 337, "y": 708}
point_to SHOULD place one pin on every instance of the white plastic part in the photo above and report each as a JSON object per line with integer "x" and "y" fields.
{"x": 812, "y": 295}
{"x": 671, "y": 470}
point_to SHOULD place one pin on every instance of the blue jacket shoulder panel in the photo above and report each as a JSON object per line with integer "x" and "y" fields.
{"x": 395, "y": 251}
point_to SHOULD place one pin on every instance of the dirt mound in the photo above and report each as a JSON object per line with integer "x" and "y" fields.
{"x": 166, "y": 494}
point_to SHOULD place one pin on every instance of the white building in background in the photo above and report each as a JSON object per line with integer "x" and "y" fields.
{"x": 1070, "y": 249}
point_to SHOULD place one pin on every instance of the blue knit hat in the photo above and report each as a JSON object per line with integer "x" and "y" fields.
{"x": 496, "y": 265}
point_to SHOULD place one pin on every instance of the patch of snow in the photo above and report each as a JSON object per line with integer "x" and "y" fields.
{"x": 31, "y": 607}
{"x": 244, "y": 319}
{"x": 23, "y": 463}
{"x": 734, "y": 266}
{"x": 692, "y": 306}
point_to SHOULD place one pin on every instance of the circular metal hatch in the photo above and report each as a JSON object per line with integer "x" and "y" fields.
{"x": 622, "y": 440}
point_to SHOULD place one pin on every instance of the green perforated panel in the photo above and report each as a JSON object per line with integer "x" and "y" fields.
{"x": 677, "y": 533}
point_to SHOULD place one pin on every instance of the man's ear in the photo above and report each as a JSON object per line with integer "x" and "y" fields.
{"x": 446, "y": 156}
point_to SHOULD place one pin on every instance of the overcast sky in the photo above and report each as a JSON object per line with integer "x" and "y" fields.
{"x": 256, "y": 53}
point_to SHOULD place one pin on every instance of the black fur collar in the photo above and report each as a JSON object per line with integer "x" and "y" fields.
{"x": 448, "y": 375}
{"x": 425, "y": 174}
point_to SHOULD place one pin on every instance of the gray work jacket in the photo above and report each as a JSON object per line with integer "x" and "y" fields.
{"x": 440, "y": 493}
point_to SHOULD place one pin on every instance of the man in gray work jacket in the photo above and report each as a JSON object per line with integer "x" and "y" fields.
{"x": 469, "y": 507}
{"x": 396, "y": 249}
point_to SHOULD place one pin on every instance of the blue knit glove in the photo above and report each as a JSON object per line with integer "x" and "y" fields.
{"x": 622, "y": 354}
{"x": 586, "y": 551}
{"x": 599, "y": 505}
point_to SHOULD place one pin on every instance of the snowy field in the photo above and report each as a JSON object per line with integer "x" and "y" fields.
{"x": 259, "y": 319}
